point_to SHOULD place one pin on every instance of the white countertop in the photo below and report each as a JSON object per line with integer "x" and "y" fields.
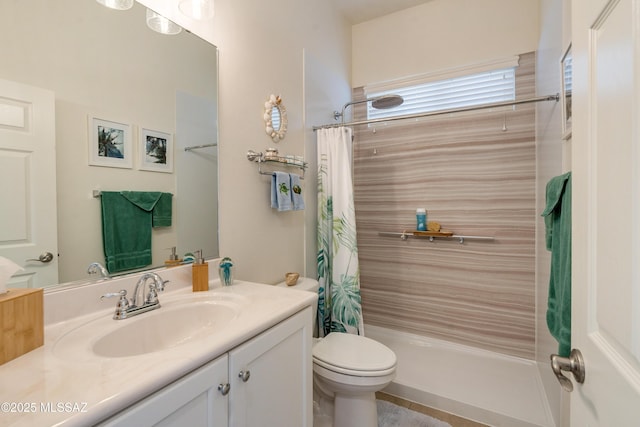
{"x": 41, "y": 388}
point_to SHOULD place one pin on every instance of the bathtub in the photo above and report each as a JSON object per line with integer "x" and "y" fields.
{"x": 476, "y": 384}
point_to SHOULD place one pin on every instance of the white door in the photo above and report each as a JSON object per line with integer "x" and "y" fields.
{"x": 28, "y": 217}
{"x": 606, "y": 211}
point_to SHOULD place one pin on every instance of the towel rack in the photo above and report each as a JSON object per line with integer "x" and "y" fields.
{"x": 260, "y": 158}
{"x": 409, "y": 234}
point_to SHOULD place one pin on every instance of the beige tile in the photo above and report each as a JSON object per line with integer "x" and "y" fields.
{"x": 474, "y": 179}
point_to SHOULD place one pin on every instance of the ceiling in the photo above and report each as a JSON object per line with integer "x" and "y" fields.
{"x": 358, "y": 11}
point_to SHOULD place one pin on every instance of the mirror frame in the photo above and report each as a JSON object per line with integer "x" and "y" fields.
{"x": 275, "y": 101}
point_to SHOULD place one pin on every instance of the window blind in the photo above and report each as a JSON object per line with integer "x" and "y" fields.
{"x": 464, "y": 91}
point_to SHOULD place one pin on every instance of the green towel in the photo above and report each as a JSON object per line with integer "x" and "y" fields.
{"x": 557, "y": 220}
{"x": 127, "y": 219}
{"x": 159, "y": 204}
{"x": 161, "y": 214}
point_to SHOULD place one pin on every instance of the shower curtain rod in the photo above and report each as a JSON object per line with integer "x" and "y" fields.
{"x": 555, "y": 97}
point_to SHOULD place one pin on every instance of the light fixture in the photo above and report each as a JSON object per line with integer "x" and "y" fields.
{"x": 197, "y": 9}
{"x": 161, "y": 24}
{"x": 117, "y": 4}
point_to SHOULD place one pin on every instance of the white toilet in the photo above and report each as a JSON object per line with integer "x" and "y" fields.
{"x": 347, "y": 371}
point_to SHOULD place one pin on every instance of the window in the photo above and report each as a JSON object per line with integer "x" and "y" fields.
{"x": 463, "y": 91}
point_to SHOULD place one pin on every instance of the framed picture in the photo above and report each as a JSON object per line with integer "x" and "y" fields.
{"x": 110, "y": 144}
{"x": 566, "y": 74}
{"x": 156, "y": 151}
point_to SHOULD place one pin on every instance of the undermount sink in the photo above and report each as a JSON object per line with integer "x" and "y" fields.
{"x": 167, "y": 327}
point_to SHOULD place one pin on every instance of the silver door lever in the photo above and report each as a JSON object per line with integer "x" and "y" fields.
{"x": 44, "y": 257}
{"x": 574, "y": 364}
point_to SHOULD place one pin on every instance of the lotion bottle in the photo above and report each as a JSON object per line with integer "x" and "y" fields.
{"x": 200, "y": 273}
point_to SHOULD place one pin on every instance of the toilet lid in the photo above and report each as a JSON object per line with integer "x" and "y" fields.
{"x": 353, "y": 353}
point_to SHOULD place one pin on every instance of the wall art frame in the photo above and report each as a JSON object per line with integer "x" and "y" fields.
{"x": 110, "y": 143}
{"x": 155, "y": 151}
{"x": 566, "y": 67}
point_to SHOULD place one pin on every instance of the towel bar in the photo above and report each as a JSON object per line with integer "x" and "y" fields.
{"x": 196, "y": 147}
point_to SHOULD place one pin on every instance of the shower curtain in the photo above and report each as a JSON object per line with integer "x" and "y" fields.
{"x": 339, "y": 303}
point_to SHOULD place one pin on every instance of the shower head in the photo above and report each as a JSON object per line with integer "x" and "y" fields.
{"x": 386, "y": 101}
{"x": 382, "y": 102}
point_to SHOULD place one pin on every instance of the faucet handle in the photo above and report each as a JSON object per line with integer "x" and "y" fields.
{"x": 161, "y": 283}
{"x": 123, "y": 303}
{"x": 152, "y": 296}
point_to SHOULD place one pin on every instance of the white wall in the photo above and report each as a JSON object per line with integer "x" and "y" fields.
{"x": 553, "y": 157}
{"x": 262, "y": 50}
{"x": 262, "y": 47}
{"x": 442, "y": 34}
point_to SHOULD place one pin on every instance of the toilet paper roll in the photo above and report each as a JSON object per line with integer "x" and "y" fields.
{"x": 7, "y": 269}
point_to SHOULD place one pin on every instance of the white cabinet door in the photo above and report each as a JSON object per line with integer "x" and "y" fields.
{"x": 193, "y": 401}
{"x": 271, "y": 377}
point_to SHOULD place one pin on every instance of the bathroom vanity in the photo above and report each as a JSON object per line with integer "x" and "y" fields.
{"x": 237, "y": 355}
{"x": 259, "y": 383}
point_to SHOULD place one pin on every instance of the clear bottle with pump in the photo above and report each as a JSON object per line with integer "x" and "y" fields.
{"x": 200, "y": 273}
{"x": 421, "y": 219}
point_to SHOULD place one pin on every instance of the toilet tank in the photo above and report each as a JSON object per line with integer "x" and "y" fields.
{"x": 309, "y": 285}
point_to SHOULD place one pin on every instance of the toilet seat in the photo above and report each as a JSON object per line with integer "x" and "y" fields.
{"x": 354, "y": 355}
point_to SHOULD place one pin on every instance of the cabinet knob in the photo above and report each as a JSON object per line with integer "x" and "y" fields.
{"x": 244, "y": 376}
{"x": 224, "y": 389}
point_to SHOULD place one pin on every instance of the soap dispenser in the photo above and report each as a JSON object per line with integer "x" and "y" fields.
{"x": 173, "y": 259}
{"x": 200, "y": 273}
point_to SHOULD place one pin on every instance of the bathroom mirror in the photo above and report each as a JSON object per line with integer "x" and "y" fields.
{"x": 106, "y": 64}
{"x": 275, "y": 117}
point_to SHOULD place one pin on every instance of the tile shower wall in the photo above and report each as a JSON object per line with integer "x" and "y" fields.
{"x": 474, "y": 178}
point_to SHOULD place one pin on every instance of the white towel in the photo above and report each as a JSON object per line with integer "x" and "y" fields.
{"x": 296, "y": 193}
{"x": 281, "y": 191}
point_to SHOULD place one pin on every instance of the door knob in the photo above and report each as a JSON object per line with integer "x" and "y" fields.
{"x": 44, "y": 257}
{"x": 574, "y": 364}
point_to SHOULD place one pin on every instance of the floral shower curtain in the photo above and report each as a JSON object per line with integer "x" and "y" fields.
{"x": 339, "y": 304}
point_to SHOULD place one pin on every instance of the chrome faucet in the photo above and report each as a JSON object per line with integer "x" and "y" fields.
{"x": 152, "y": 295}
{"x": 96, "y": 267}
{"x": 127, "y": 308}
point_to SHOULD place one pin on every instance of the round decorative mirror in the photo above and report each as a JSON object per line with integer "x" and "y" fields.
{"x": 275, "y": 118}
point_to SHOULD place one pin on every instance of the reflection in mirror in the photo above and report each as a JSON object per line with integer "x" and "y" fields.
{"x": 275, "y": 118}
{"x": 107, "y": 64}
{"x": 567, "y": 89}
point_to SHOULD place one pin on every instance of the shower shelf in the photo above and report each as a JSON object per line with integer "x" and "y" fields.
{"x": 260, "y": 158}
{"x": 433, "y": 236}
